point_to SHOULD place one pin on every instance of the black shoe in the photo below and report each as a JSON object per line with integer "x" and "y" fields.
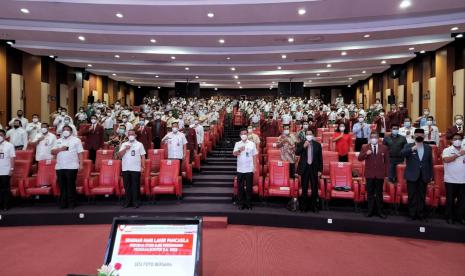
{"x": 369, "y": 215}
{"x": 249, "y": 206}
{"x": 450, "y": 221}
{"x": 382, "y": 215}
{"x": 136, "y": 206}
{"x": 63, "y": 206}
{"x": 241, "y": 207}
{"x": 126, "y": 205}
{"x": 462, "y": 221}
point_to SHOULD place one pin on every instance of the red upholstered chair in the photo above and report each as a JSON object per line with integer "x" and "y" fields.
{"x": 436, "y": 156}
{"x": 271, "y": 140}
{"x": 101, "y": 155}
{"x": 144, "y": 180}
{"x": 107, "y": 182}
{"x": 389, "y": 192}
{"x": 85, "y": 156}
{"x": 187, "y": 167}
{"x": 439, "y": 187}
{"x": 83, "y": 178}
{"x": 278, "y": 182}
{"x": 257, "y": 185}
{"x": 324, "y": 147}
{"x": 326, "y": 138}
{"x": 328, "y": 157}
{"x": 26, "y": 155}
{"x": 274, "y": 154}
{"x": 341, "y": 184}
{"x": 402, "y": 192}
{"x": 320, "y": 132}
{"x": 45, "y": 182}
{"x": 155, "y": 157}
{"x": 168, "y": 181}
{"x": 19, "y": 177}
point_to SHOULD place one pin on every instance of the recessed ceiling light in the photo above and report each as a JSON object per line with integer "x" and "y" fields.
{"x": 459, "y": 36}
{"x": 24, "y": 10}
{"x": 364, "y": 72}
{"x": 233, "y": 69}
{"x": 157, "y": 76}
{"x": 89, "y": 65}
{"x": 350, "y": 78}
{"x": 187, "y": 68}
{"x": 81, "y": 38}
{"x": 279, "y": 68}
{"x": 283, "y": 56}
{"x": 173, "y": 57}
{"x": 196, "y": 77}
{"x": 411, "y": 48}
{"x": 203, "y": 82}
{"x": 153, "y": 40}
{"x": 119, "y": 15}
{"x": 228, "y": 58}
{"x": 51, "y": 56}
{"x": 210, "y": 15}
{"x": 138, "y": 86}
{"x": 405, "y": 4}
{"x": 114, "y": 74}
{"x": 349, "y": 85}
{"x": 271, "y": 87}
{"x": 221, "y": 41}
{"x": 318, "y": 74}
{"x": 383, "y": 62}
{"x": 310, "y": 81}
{"x": 240, "y": 87}
{"x": 158, "y": 87}
{"x": 216, "y": 89}
{"x": 301, "y": 11}
{"x": 238, "y": 82}
{"x": 328, "y": 65}
{"x": 454, "y": 28}
{"x": 236, "y": 77}
{"x": 366, "y": 36}
{"x": 132, "y": 80}
{"x": 422, "y": 51}
{"x": 9, "y": 42}
{"x": 344, "y": 53}
{"x": 116, "y": 56}
{"x": 290, "y": 39}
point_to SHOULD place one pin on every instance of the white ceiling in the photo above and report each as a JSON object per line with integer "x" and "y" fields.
{"x": 255, "y": 34}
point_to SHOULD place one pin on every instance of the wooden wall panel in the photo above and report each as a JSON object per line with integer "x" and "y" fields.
{"x": 52, "y": 104}
{"x": 32, "y": 84}
{"x": 444, "y": 74}
{"x": 3, "y": 87}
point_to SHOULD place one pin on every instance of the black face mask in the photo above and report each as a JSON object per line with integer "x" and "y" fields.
{"x": 16, "y": 126}
{"x": 20, "y": 115}
{"x": 419, "y": 139}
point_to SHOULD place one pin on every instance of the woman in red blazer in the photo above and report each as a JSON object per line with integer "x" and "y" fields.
{"x": 342, "y": 138}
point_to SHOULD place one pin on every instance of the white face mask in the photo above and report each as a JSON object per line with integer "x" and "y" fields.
{"x": 305, "y": 126}
{"x": 360, "y": 120}
{"x": 309, "y": 137}
{"x": 430, "y": 123}
{"x": 44, "y": 130}
{"x": 286, "y": 132}
{"x": 243, "y": 137}
{"x": 459, "y": 122}
{"x": 66, "y": 133}
{"x": 93, "y": 121}
{"x": 457, "y": 143}
{"x": 2, "y": 139}
{"x": 249, "y": 130}
{"x": 374, "y": 141}
{"x": 67, "y": 122}
{"x": 132, "y": 138}
{"x": 381, "y": 114}
{"x": 35, "y": 120}
{"x": 175, "y": 129}
{"x": 342, "y": 129}
{"x": 125, "y": 120}
{"x": 63, "y": 113}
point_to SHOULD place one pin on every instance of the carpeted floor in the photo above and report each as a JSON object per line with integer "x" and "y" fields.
{"x": 238, "y": 250}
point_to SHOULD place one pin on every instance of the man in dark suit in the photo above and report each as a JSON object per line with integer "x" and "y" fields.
{"x": 343, "y": 120}
{"x": 418, "y": 173}
{"x": 144, "y": 134}
{"x": 455, "y": 129}
{"x": 158, "y": 130}
{"x": 376, "y": 157}
{"x": 94, "y": 137}
{"x": 310, "y": 169}
{"x": 269, "y": 127}
{"x": 382, "y": 123}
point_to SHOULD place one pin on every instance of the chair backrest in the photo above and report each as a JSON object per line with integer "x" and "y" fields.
{"x": 85, "y": 155}
{"x": 146, "y": 173}
{"x": 274, "y": 154}
{"x": 439, "y": 179}
{"x": 169, "y": 172}
{"x": 46, "y": 174}
{"x": 110, "y": 171}
{"x": 400, "y": 177}
{"x": 328, "y": 157}
{"x": 206, "y": 136}
{"x": 271, "y": 140}
{"x": 102, "y": 155}
{"x": 279, "y": 173}
{"x": 164, "y": 147}
{"x": 357, "y": 166}
{"x": 327, "y": 137}
{"x": 155, "y": 157}
{"x": 435, "y": 152}
{"x": 341, "y": 174}
{"x": 84, "y": 173}
{"x": 27, "y": 155}
{"x": 20, "y": 172}
{"x": 320, "y": 131}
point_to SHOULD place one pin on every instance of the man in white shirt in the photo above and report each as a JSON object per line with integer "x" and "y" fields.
{"x": 45, "y": 141}
{"x": 68, "y": 150}
{"x": 132, "y": 154}
{"x": 59, "y": 121}
{"x": 7, "y": 162}
{"x": 126, "y": 123}
{"x": 20, "y": 116}
{"x": 199, "y": 132}
{"x": 67, "y": 122}
{"x": 407, "y": 131}
{"x": 431, "y": 132}
{"x": 286, "y": 117}
{"x": 176, "y": 142}
{"x": 454, "y": 179}
{"x": 18, "y": 136}
{"x": 33, "y": 128}
{"x": 245, "y": 151}
{"x": 108, "y": 123}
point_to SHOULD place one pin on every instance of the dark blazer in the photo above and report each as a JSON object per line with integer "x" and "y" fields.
{"x": 161, "y": 130}
{"x": 94, "y": 138}
{"x": 376, "y": 166}
{"x": 269, "y": 128}
{"x": 317, "y": 156}
{"x": 144, "y": 136}
{"x": 379, "y": 124}
{"x": 452, "y": 131}
{"x": 415, "y": 166}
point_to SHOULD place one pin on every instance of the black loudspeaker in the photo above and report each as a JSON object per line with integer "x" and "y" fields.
{"x": 395, "y": 72}
{"x": 391, "y": 99}
{"x": 187, "y": 89}
{"x": 85, "y": 75}
{"x": 290, "y": 89}
{"x": 90, "y": 99}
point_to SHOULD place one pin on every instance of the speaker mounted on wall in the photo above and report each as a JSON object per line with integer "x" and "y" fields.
{"x": 290, "y": 89}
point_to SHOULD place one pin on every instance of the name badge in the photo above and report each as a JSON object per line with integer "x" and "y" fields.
{"x": 133, "y": 153}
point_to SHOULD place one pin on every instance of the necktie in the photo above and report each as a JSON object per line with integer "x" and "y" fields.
{"x": 309, "y": 154}
{"x": 374, "y": 150}
{"x": 363, "y": 132}
{"x": 429, "y": 133}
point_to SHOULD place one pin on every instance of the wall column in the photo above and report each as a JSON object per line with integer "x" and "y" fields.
{"x": 32, "y": 84}
{"x": 444, "y": 85}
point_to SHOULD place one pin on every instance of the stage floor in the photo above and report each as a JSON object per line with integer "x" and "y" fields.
{"x": 335, "y": 219}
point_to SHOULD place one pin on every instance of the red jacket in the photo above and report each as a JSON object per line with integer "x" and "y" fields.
{"x": 376, "y": 166}
{"x": 161, "y": 131}
{"x": 144, "y": 136}
{"x": 94, "y": 137}
{"x": 379, "y": 124}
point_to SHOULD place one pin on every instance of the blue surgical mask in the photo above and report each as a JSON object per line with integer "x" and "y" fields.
{"x": 395, "y": 132}
{"x": 407, "y": 124}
